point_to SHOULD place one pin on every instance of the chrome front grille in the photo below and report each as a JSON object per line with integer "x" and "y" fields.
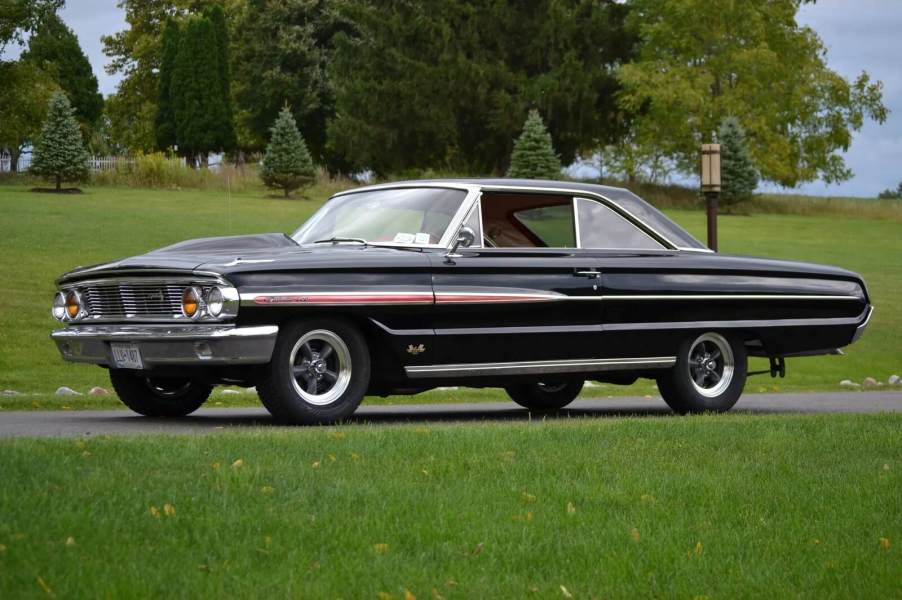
{"x": 133, "y": 300}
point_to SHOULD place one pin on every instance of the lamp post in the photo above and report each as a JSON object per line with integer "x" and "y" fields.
{"x": 711, "y": 188}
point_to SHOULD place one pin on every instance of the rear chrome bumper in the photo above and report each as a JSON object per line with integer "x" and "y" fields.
{"x": 167, "y": 345}
{"x": 859, "y": 331}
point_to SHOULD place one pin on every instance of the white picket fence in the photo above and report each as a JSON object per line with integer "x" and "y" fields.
{"x": 97, "y": 164}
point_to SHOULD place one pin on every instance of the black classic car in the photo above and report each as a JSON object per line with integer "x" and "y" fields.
{"x": 532, "y": 286}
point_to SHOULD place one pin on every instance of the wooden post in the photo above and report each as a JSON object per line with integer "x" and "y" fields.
{"x": 711, "y": 188}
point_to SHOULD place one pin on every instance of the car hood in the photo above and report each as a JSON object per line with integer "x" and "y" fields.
{"x": 242, "y": 253}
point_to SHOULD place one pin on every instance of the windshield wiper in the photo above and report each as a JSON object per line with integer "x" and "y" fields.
{"x": 336, "y": 240}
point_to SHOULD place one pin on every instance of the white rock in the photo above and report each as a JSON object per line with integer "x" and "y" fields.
{"x": 230, "y": 392}
{"x": 447, "y": 389}
{"x": 66, "y": 391}
{"x": 99, "y": 391}
{"x": 870, "y": 382}
{"x": 848, "y": 383}
{"x": 251, "y": 390}
{"x": 590, "y": 384}
{"x": 894, "y": 380}
{"x": 11, "y": 393}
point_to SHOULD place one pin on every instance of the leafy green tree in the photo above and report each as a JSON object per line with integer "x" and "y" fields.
{"x": 696, "y": 65}
{"x": 23, "y": 105}
{"x": 281, "y": 52}
{"x": 54, "y": 48}
{"x": 195, "y": 91}
{"x": 737, "y": 170}
{"x": 165, "y": 129}
{"x": 287, "y": 164}
{"x": 18, "y": 17}
{"x": 891, "y": 194}
{"x": 59, "y": 152}
{"x": 448, "y": 84}
{"x": 533, "y": 156}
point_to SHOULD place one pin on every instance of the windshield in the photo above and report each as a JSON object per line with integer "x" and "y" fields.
{"x": 406, "y": 216}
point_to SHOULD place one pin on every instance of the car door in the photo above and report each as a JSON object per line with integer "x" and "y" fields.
{"x": 517, "y": 304}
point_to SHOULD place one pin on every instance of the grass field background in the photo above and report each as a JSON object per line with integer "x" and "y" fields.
{"x": 704, "y": 507}
{"x": 45, "y": 235}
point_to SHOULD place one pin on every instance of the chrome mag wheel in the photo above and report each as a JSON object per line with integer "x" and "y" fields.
{"x": 320, "y": 364}
{"x": 711, "y": 364}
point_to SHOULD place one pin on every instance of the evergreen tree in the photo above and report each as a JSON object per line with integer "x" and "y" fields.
{"x": 738, "y": 175}
{"x": 225, "y": 128}
{"x": 54, "y": 48}
{"x": 195, "y": 92}
{"x": 533, "y": 156}
{"x": 165, "y": 130}
{"x": 287, "y": 164}
{"x": 59, "y": 152}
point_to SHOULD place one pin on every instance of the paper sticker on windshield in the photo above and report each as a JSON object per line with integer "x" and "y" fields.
{"x": 421, "y": 238}
{"x": 404, "y": 238}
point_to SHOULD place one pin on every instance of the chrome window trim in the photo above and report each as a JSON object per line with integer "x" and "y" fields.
{"x": 539, "y": 367}
{"x": 472, "y": 193}
{"x": 576, "y": 200}
{"x": 648, "y": 229}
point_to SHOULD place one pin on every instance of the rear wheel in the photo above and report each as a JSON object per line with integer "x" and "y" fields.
{"x": 319, "y": 372}
{"x": 709, "y": 374}
{"x": 159, "y": 396}
{"x": 546, "y": 396}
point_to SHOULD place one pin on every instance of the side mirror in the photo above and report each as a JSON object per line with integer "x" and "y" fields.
{"x": 466, "y": 237}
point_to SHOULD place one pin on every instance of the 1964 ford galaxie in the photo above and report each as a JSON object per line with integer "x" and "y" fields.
{"x": 532, "y": 286}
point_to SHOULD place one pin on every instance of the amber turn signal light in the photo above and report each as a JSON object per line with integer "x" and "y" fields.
{"x": 190, "y": 302}
{"x": 73, "y": 304}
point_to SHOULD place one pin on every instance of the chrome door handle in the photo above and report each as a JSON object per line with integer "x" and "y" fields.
{"x": 590, "y": 274}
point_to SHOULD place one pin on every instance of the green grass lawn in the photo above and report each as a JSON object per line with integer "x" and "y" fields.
{"x": 45, "y": 235}
{"x": 701, "y": 507}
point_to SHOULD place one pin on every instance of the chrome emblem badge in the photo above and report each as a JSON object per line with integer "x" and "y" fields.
{"x": 411, "y": 349}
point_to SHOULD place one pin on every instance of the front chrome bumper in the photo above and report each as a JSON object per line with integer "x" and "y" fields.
{"x": 859, "y": 331}
{"x": 168, "y": 345}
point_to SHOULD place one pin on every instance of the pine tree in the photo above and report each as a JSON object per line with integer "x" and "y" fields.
{"x": 738, "y": 175}
{"x": 59, "y": 152}
{"x": 533, "y": 156}
{"x": 287, "y": 164}
{"x": 164, "y": 124}
{"x": 196, "y": 92}
{"x": 224, "y": 127}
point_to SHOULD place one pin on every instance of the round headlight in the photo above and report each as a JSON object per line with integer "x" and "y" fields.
{"x": 73, "y": 304}
{"x": 214, "y": 302}
{"x": 190, "y": 302}
{"x": 59, "y": 307}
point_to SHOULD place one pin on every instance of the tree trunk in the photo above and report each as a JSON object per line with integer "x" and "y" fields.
{"x": 59, "y": 184}
{"x": 286, "y": 192}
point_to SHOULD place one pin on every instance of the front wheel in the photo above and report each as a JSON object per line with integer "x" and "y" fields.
{"x": 319, "y": 373}
{"x": 709, "y": 374}
{"x": 159, "y": 396}
{"x": 545, "y": 396}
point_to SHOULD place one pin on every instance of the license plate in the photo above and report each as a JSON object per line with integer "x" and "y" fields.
{"x": 126, "y": 356}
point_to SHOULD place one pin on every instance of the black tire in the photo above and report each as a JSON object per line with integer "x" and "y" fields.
{"x": 691, "y": 386}
{"x": 158, "y": 397}
{"x": 546, "y": 396}
{"x": 284, "y": 385}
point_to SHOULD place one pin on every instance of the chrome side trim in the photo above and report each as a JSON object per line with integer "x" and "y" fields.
{"x": 341, "y": 298}
{"x": 631, "y": 297}
{"x": 540, "y": 367}
{"x": 492, "y": 295}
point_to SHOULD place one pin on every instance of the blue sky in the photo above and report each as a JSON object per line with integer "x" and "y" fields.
{"x": 859, "y": 35}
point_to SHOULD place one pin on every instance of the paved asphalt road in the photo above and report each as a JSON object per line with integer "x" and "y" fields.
{"x": 122, "y": 422}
